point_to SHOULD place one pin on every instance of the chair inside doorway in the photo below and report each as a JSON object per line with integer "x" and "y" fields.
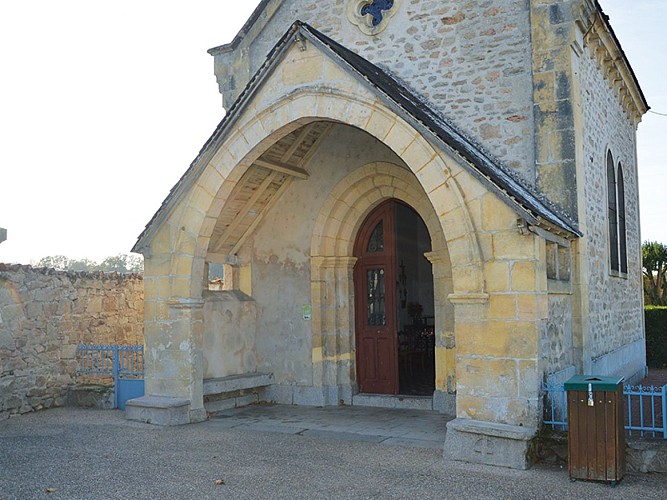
{"x": 416, "y": 355}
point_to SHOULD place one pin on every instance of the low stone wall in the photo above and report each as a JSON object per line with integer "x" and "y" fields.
{"x": 44, "y": 315}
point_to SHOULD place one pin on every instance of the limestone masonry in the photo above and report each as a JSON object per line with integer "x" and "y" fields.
{"x": 418, "y": 201}
{"x": 44, "y": 315}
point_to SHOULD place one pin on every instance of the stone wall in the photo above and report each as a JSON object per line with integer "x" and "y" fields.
{"x": 614, "y": 299}
{"x": 44, "y": 315}
{"x": 471, "y": 60}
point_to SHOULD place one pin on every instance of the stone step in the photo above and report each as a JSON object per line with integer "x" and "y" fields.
{"x": 393, "y": 401}
{"x": 229, "y": 403}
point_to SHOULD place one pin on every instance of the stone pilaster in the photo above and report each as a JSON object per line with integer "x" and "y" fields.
{"x": 174, "y": 365}
{"x": 333, "y": 318}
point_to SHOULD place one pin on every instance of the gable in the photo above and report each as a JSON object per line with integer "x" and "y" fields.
{"x": 416, "y": 111}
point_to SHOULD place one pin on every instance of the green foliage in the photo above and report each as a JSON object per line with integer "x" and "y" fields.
{"x": 121, "y": 263}
{"x": 654, "y": 266}
{"x": 655, "y": 321}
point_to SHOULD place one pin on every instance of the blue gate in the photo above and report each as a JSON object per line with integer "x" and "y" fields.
{"x": 125, "y": 363}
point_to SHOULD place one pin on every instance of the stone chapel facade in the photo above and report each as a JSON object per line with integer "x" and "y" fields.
{"x": 431, "y": 199}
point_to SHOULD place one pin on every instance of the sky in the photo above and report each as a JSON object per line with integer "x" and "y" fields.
{"x": 103, "y": 106}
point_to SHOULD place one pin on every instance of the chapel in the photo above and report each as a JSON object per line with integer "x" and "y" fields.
{"x": 409, "y": 203}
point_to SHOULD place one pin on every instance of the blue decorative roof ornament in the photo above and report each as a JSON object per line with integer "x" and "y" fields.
{"x": 377, "y": 8}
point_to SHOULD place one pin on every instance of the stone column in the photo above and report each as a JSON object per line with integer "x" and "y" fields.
{"x": 3, "y": 234}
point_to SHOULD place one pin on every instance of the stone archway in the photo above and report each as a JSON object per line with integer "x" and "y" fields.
{"x": 332, "y": 292}
{"x": 178, "y": 250}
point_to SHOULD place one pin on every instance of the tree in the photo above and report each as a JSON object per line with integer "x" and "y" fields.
{"x": 654, "y": 257}
{"x": 121, "y": 263}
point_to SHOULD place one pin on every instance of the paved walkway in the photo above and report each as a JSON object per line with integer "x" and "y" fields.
{"x": 423, "y": 429}
{"x": 72, "y": 453}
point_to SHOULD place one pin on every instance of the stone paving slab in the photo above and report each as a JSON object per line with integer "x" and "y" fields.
{"x": 405, "y": 427}
{"x": 96, "y": 454}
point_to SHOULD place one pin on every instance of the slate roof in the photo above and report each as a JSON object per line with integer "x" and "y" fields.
{"x": 531, "y": 205}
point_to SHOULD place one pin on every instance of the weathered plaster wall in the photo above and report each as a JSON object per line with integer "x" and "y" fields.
{"x": 230, "y": 327}
{"x": 280, "y": 253}
{"x": 614, "y": 303}
{"x": 471, "y": 60}
{"x": 44, "y": 315}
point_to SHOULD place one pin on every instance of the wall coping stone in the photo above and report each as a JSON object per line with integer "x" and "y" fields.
{"x": 72, "y": 275}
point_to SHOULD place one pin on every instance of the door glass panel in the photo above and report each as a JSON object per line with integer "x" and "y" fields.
{"x": 376, "y": 300}
{"x": 376, "y": 241}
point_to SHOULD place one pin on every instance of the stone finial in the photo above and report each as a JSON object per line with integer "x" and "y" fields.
{"x": 3, "y": 234}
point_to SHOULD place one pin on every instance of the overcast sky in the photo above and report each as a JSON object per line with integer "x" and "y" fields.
{"x": 103, "y": 105}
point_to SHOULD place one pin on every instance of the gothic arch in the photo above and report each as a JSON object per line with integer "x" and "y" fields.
{"x": 439, "y": 176}
{"x": 332, "y": 263}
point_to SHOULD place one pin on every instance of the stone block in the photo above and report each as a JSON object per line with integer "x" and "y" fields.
{"x": 646, "y": 456}
{"x": 497, "y": 276}
{"x": 502, "y": 306}
{"x": 158, "y": 410}
{"x": 390, "y": 401}
{"x": 91, "y": 396}
{"x": 511, "y": 245}
{"x": 309, "y": 396}
{"x": 490, "y": 443}
{"x": 281, "y": 394}
{"x": 444, "y": 402}
{"x": 220, "y": 405}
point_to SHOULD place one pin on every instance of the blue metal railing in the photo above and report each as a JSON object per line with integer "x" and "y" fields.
{"x": 95, "y": 359}
{"x": 645, "y": 409}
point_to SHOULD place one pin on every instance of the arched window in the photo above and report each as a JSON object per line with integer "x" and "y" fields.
{"x": 620, "y": 188}
{"x": 612, "y": 214}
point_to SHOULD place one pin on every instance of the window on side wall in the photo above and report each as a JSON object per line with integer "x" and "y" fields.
{"x": 618, "y": 261}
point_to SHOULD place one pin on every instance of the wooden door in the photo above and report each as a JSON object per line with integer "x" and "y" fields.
{"x": 375, "y": 292}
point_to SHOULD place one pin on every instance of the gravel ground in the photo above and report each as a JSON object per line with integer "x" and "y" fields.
{"x": 88, "y": 454}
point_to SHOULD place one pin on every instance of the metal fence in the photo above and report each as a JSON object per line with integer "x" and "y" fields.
{"x": 645, "y": 409}
{"x": 125, "y": 363}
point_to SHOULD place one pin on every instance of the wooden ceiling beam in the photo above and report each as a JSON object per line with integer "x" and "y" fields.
{"x": 243, "y": 212}
{"x": 283, "y": 168}
{"x": 303, "y": 135}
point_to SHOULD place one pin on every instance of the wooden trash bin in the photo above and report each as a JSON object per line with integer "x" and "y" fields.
{"x": 596, "y": 435}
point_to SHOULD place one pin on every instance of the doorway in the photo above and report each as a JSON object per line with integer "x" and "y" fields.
{"x": 394, "y": 307}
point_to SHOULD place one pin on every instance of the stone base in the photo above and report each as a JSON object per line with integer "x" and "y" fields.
{"x": 307, "y": 395}
{"x": 648, "y": 455}
{"x": 390, "y": 401}
{"x": 444, "y": 402}
{"x": 160, "y": 411}
{"x": 91, "y": 396}
{"x": 489, "y": 443}
{"x": 231, "y": 402}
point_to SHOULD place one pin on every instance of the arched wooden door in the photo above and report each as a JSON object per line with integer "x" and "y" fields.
{"x": 375, "y": 303}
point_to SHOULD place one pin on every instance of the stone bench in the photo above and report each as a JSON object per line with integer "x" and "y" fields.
{"x": 233, "y": 383}
{"x": 232, "y": 388}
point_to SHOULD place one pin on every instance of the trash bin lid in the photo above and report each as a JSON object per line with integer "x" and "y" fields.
{"x": 580, "y": 383}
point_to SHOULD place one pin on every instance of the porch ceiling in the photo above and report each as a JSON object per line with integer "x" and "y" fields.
{"x": 263, "y": 183}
